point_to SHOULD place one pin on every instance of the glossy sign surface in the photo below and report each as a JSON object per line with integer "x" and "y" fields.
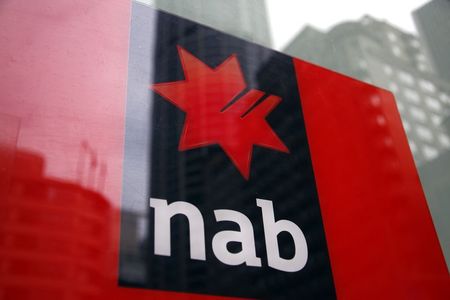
{"x": 220, "y": 145}
{"x": 62, "y": 115}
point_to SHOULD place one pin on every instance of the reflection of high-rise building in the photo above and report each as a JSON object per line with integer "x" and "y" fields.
{"x": 132, "y": 247}
{"x": 432, "y": 21}
{"x": 379, "y": 53}
{"x": 245, "y": 19}
{"x": 54, "y": 236}
{"x": 435, "y": 177}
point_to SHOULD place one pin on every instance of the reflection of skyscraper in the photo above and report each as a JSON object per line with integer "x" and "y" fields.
{"x": 433, "y": 23}
{"x": 435, "y": 179}
{"x": 54, "y": 236}
{"x": 132, "y": 248}
{"x": 245, "y": 19}
{"x": 379, "y": 53}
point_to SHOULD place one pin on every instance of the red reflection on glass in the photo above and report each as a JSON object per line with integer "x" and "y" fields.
{"x": 53, "y": 236}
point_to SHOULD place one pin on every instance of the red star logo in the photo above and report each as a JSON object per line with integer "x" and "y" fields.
{"x": 213, "y": 115}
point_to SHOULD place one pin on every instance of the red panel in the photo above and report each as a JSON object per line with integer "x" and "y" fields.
{"x": 380, "y": 235}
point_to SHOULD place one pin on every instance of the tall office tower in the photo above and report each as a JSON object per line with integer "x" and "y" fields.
{"x": 433, "y": 23}
{"x": 377, "y": 52}
{"x": 246, "y": 19}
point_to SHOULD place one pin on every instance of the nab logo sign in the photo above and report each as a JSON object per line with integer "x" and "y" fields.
{"x": 219, "y": 195}
{"x": 220, "y": 241}
{"x": 220, "y": 110}
{"x": 217, "y": 115}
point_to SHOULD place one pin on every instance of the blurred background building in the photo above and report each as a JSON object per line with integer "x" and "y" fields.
{"x": 433, "y": 25}
{"x": 244, "y": 19}
{"x": 378, "y": 53}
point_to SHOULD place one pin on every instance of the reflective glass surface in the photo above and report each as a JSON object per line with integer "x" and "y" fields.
{"x": 312, "y": 140}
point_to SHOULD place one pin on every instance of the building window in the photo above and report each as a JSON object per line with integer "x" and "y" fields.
{"x": 424, "y": 133}
{"x": 436, "y": 119}
{"x": 427, "y": 86}
{"x": 429, "y": 152}
{"x": 418, "y": 114}
{"x": 362, "y": 64}
{"x": 397, "y": 51}
{"x": 387, "y": 69}
{"x": 420, "y": 57}
{"x": 445, "y": 140}
{"x": 412, "y": 96}
{"x": 422, "y": 67}
{"x": 445, "y": 98}
{"x": 433, "y": 103}
{"x": 393, "y": 87}
{"x": 375, "y": 100}
{"x": 405, "y": 77}
{"x": 415, "y": 43}
{"x": 388, "y": 142}
{"x": 381, "y": 120}
{"x": 392, "y": 36}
